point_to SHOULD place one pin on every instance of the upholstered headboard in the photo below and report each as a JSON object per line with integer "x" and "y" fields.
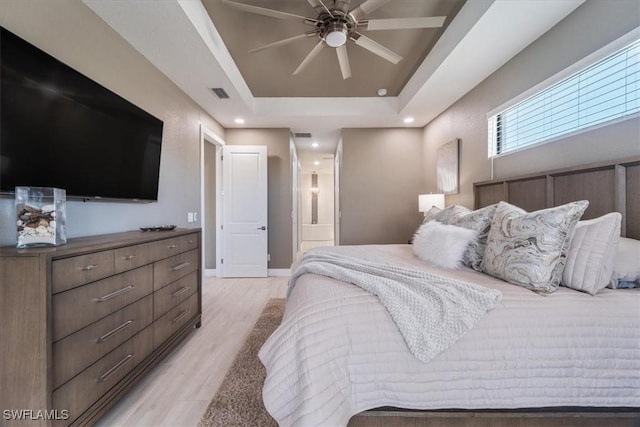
{"x": 609, "y": 186}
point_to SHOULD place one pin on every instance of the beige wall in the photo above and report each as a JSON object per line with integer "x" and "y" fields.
{"x": 380, "y": 179}
{"x": 279, "y": 188}
{"x": 209, "y": 154}
{"x": 71, "y": 32}
{"x": 588, "y": 28}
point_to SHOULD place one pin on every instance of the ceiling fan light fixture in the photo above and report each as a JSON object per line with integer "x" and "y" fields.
{"x": 336, "y": 35}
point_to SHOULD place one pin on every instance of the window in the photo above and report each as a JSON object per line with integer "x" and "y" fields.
{"x": 604, "y": 91}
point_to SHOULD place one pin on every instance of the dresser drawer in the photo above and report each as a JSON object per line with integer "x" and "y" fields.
{"x": 130, "y": 257}
{"x": 74, "y": 353}
{"x": 171, "y": 269}
{"x": 173, "y": 294}
{"x": 82, "y": 391}
{"x": 79, "y": 307}
{"x": 75, "y": 271}
{"x": 188, "y": 242}
{"x": 176, "y": 318}
{"x": 165, "y": 248}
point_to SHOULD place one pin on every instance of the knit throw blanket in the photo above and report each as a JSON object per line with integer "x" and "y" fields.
{"x": 432, "y": 312}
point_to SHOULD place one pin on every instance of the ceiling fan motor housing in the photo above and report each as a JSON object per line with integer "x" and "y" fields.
{"x": 335, "y": 34}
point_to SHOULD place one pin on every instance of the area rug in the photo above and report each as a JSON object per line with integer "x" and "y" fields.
{"x": 238, "y": 401}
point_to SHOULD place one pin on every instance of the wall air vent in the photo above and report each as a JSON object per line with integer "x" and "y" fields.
{"x": 220, "y": 93}
{"x": 302, "y": 135}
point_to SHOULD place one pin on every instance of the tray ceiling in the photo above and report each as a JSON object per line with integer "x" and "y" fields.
{"x": 268, "y": 73}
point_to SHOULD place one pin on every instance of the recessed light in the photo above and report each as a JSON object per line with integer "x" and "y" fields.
{"x": 316, "y": 163}
{"x": 382, "y": 92}
{"x": 239, "y": 121}
{"x": 314, "y": 145}
{"x": 408, "y": 119}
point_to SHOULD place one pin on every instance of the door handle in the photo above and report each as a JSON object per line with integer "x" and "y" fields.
{"x": 262, "y": 228}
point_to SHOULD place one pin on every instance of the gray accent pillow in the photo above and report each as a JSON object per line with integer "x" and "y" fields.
{"x": 480, "y": 221}
{"x": 431, "y": 214}
{"x": 451, "y": 213}
{"x": 530, "y": 249}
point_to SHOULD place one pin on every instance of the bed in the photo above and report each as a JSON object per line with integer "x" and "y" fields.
{"x": 338, "y": 352}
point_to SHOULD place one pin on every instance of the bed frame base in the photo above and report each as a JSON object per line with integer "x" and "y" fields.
{"x": 596, "y": 417}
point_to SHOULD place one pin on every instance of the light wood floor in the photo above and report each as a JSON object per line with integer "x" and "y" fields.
{"x": 177, "y": 392}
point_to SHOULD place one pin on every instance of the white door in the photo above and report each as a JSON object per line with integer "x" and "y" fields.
{"x": 244, "y": 211}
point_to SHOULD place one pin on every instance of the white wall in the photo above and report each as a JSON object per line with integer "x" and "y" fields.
{"x": 71, "y": 32}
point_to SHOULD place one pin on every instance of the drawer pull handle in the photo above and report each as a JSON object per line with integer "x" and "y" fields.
{"x": 115, "y": 294}
{"x": 129, "y": 257}
{"x": 89, "y": 267}
{"x": 180, "y": 316}
{"x": 190, "y": 242}
{"x": 172, "y": 246}
{"x": 180, "y": 291}
{"x": 115, "y": 367}
{"x": 180, "y": 266}
{"x": 115, "y": 331}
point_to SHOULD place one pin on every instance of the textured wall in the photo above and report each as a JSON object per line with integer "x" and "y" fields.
{"x": 279, "y": 188}
{"x": 590, "y": 27}
{"x": 380, "y": 179}
{"x": 71, "y": 32}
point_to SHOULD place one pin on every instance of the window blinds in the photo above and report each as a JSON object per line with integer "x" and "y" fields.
{"x": 604, "y": 91}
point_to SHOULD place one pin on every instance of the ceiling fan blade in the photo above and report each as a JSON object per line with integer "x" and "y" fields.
{"x": 367, "y": 7}
{"x": 279, "y": 43}
{"x": 316, "y": 5}
{"x": 314, "y": 52}
{"x": 377, "y": 48}
{"x": 326, "y": 9}
{"x": 342, "y": 5}
{"x": 406, "y": 23}
{"x": 343, "y": 60}
{"x": 266, "y": 12}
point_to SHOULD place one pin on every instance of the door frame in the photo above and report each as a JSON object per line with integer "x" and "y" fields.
{"x": 207, "y": 136}
{"x": 295, "y": 195}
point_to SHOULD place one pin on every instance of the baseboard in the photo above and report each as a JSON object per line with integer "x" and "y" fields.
{"x": 210, "y": 272}
{"x": 279, "y": 272}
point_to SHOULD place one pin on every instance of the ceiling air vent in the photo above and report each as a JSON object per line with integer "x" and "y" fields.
{"x": 302, "y": 135}
{"x": 220, "y": 93}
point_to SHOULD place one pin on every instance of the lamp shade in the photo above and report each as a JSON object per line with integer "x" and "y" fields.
{"x": 427, "y": 201}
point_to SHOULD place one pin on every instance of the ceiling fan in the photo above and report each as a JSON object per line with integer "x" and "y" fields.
{"x": 337, "y": 24}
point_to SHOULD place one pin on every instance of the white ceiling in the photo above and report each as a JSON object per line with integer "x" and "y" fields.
{"x": 180, "y": 39}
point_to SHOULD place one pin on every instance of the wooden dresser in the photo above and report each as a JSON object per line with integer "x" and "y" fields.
{"x": 82, "y": 323}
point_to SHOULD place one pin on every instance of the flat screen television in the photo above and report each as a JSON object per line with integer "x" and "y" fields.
{"x": 61, "y": 129}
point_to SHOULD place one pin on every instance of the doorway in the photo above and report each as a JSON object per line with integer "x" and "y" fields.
{"x": 316, "y": 201}
{"x": 210, "y": 199}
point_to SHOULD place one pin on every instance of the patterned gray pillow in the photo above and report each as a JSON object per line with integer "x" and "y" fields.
{"x": 480, "y": 221}
{"x": 530, "y": 249}
{"x": 431, "y": 214}
{"x": 451, "y": 213}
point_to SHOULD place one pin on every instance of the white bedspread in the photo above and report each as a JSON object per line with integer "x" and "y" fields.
{"x": 338, "y": 353}
{"x": 413, "y": 298}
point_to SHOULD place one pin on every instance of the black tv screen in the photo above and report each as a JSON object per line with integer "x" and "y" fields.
{"x": 62, "y": 129}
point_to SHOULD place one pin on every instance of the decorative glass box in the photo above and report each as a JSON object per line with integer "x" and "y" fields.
{"x": 41, "y": 216}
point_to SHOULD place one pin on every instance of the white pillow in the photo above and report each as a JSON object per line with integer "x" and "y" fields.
{"x": 442, "y": 245}
{"x": 592, "y": 254}
{"x": 627, "y": 264}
